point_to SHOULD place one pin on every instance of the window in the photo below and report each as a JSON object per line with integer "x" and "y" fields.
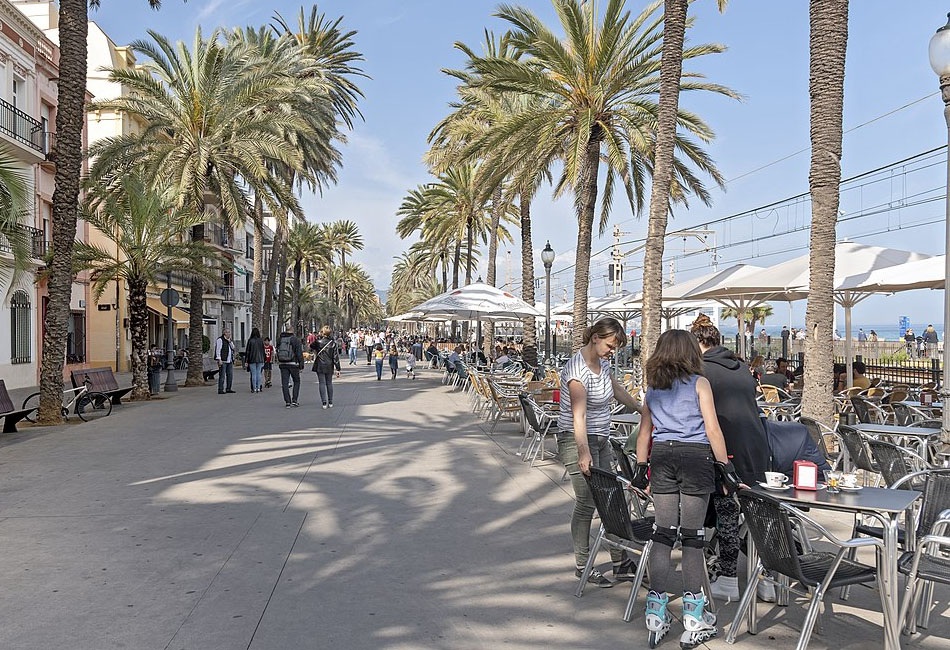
{"x": 20, "y": 327}
{"x": 17, "y": 91}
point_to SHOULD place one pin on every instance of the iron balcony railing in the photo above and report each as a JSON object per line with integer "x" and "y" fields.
{"x": 34, "y": 236}
{"x": 21, "y": 127}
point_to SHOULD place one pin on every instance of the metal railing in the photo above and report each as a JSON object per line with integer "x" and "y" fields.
{"x": 21, "y": 127}
{"x": 38, "y": 245}
{"x": 232, "y": 294}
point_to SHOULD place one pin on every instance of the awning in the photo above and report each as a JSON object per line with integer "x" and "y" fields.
{"x": 178, "y": 315}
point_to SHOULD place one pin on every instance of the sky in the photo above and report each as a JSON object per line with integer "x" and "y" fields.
{"x": 893, "y": 112}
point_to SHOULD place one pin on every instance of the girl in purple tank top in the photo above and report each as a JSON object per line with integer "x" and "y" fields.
{"x": 679, "y": 419}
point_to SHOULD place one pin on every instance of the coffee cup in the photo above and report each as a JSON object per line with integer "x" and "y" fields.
{"x": 849, "y": 480}
{"x": 775, "y": 479}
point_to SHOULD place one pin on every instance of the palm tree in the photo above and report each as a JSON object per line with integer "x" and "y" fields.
{"x": 150, "y": 238}
{"x": 307, "y": 244}
{"x": 14, "y": 206}
{"x": 345, "y": 238}
{"x": 828, "y": 45}
{"x": 752, "y": 316}
{"x": 68, "y": 155}
{"x": 217, "y": 126}
{"x": 594, "y": 101}
{"x": 671, "y": 73}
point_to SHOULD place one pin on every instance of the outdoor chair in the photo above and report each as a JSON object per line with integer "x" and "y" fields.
{"x": 895, "y": 462}
{"x": 770, "y": 525}
{"x": 929, "y": 563}
{"x": 825, "y": 439}
{"x": 639, "y": 500}
{"x": 905, "y": 414}
{"x": 618, "y": 530}
{"x": 867, "y": 412}
{"x": 503, "y": 403}
{"x": 538, "y": 424}
{"x": 859, "y": 454}
{"x": 896, "y": 395}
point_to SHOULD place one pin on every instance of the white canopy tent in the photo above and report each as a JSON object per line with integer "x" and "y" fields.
{"x": 477, "y": 301}
{"x": 788, "y": 281}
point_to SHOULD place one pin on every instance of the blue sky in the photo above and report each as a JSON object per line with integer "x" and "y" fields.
{"x": 407, "y": 42}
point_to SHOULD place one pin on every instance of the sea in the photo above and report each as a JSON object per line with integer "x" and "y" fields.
{"x": 885, "y": 332}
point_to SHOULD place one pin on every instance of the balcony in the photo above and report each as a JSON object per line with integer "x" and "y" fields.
{"x": 22, "y": 128}
{"x": 34, "y": 236}
{"x": 231, "y": 294}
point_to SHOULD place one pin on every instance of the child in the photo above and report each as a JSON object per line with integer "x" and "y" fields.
{"x": 411, "y": 365}
{"x": 679, "y": 419}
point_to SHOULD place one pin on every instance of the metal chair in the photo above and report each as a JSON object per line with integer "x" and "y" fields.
{"x": 929, "y": 561}
{"x": 859, "y": 454}
{"x": 538, "y": 425}
{"x": 770, "y": 525}
{"x": 617, "y": 530}
{"x": 639, "y": 500}
{"x": 867, "y": 412}
{"x": 819, "y": 434}
{"x": 895, "y": 462}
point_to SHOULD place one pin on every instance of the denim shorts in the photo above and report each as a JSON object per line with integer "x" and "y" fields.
{"x": 684, "y": 467}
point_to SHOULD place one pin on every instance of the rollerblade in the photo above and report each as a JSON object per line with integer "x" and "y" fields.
{"x": 700, "y": 625}
{"x": 657, "y": 617}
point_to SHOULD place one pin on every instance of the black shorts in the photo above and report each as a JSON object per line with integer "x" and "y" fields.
{"x": 684, "y": 467}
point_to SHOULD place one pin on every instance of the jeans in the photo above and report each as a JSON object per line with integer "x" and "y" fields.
{"x": 154, "y": 380}
{"x": 601, "y": 457}
{"x": 225, "y": 374}
{"x": 352, "y": 353}
{"x": 325, "y": 379}
{"x": 379, "y": 368}
{"x": 369, "y": 354}
{"x": 286, "y": 373}
{"x": 256, "y": 370}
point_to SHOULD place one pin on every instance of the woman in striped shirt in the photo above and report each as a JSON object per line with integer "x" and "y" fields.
{"x": 588, "y": 390}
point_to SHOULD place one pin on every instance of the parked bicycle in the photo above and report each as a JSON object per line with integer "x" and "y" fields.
{"x": 88, "y": 405}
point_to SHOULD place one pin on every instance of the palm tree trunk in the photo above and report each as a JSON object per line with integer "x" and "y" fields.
{"x": 530, "y": 345}
{"x": 281, "y": 289}
{"x": 469, "y": 244}
{"x": 196, "y": 333}
{"x": 257, "y": 288}
{"x": 828, "y": 46}
{"x": 456, "y": 263}
{"x": 67, "y": 153}
{"x": 497, "y": 207}
{"x": 671, "y": 69}
{"x": 138, "y": 326}
{"x": 295, "y": 298}
{"x": 277, "y": 250}
{"x": 587, "y": 202}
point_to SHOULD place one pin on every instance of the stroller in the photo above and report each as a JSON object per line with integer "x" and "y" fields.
{"x": 411, "y": 366}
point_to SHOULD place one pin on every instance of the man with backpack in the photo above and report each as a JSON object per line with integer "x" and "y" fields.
{"x": 290, "y": 360}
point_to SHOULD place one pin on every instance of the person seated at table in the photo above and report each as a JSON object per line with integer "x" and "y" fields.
{"x": 841, "y": 382}
{"x": 858, "y": 380}
{"x": 757, "y": 366}
{"x": 781, "y": 366}
{"x": 503, "y": 359}
{"x": 432, "y": 354}
{"x": 478, "y": 357}
{"x": 454, "y": 357}
{"x": 773, "y": 377}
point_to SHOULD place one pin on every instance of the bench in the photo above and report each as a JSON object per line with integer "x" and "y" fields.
{"x": 209, "y": 368}
{"x": 101, "y": 380}
{"x": 10, "y": 414}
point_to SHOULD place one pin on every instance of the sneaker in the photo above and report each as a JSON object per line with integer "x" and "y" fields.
{"x": 625, "y": 571}
{"x": 726, "y": 588}
{"x": 294, "y": 404}
{"x": 766, "y": 592}
{"x": 324, "y": 406}
{"x": 595, "y": 578}
{"x": 330, "y": 405}
{"x": 287, "y": 405}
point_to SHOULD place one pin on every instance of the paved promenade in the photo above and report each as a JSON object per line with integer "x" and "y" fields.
{"x": 202, "y": 521}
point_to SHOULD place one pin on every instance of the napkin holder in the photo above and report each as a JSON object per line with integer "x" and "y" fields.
{"x": 805, "y": 476}
{"x": 926, "y": 399}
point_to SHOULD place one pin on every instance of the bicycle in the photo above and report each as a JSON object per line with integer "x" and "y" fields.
{"x": 88, "y": 405}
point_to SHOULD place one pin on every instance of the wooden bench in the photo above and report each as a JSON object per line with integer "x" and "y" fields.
{"x": 209, "y": 368}
{"x": 10, "y": 414}
{"x": 101, "y": 381}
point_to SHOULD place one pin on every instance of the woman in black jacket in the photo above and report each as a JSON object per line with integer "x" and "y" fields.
{"x": 254, "y": 359}
{"x": 734, "y": 393}
{"x": 326, "y": 361}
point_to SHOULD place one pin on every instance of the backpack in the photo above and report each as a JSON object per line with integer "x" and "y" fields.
{"x": 285, "y": 351}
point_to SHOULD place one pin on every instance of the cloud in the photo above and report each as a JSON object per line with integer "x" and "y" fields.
{"x": 209, "y": 9}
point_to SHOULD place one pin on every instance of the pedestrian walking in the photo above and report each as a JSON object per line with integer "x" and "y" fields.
{"x": 378, "y": 355}
{"x": 254, "y": 359}
{"x": 268, "y": 361}
{"x": 326, "y": 362}
{"x": 393, "y": 360}
{"x": 290, "y": 361}
{"x": 224, "y": 355}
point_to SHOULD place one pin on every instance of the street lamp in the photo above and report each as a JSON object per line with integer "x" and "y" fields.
{"x": 547, "y": 258}
{"x": 940, "y": 62}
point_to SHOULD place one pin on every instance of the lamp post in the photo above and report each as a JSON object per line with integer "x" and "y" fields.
{"x": 170, "y": 298}
{"x": 940, "y": 62}
{"x": 547, "y": 258}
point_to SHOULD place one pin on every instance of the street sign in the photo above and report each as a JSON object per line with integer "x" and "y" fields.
{"x": 170, "y": 297}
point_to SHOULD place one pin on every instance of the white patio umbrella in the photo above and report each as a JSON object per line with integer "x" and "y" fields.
{"x": 476, "y": 301}
{"x": 789, "y": 280}
{"x": 928, "y": 273}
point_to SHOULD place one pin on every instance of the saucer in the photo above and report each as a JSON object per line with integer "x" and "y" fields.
{"x": 856, "y": 488}
{"x": 774, "y": 489}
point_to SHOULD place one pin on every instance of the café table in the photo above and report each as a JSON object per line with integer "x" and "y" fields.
{"x": 920, "y": 435}
{"x": 883, "y": 504}
{"x": 626, "y": 421}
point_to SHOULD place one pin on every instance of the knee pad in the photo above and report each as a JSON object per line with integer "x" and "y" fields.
{"x": 664, "y": 536}
{"x": 693, "y": 537}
